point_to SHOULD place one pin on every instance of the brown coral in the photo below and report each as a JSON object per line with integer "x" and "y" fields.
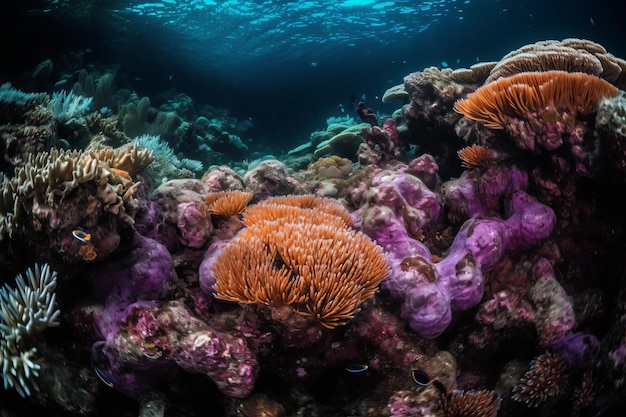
{"x": 131, "y": 158}
{"x": 482, "y": 403}
{"x": 527, "y": 92}
{"x": 46, "y": 178}
{"x": 546, "y": 378}
{"x": 305, "y": 258}
{"x": 331, "y": 167}
{"x": 571, "y": 55}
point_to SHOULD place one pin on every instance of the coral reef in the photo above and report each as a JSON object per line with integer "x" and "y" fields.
{"x": 462, "y": 256}
{"x": 54, "y": 194}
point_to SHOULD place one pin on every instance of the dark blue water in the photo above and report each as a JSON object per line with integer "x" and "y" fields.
{"x": 288, "y": 65}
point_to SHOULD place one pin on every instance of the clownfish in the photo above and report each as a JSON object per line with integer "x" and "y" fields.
{"x": 80, "y": 235}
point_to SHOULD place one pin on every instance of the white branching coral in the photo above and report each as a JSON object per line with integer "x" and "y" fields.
{"x": 166, "y": 164}
{"x": 25, "y": 312}
{"x": 68, "y": 106}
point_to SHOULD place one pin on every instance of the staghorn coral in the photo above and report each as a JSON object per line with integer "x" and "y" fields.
{"x": 546, "y": 378}
{"x": 25, "y": 312}
{"x": 482, "y": 403}
{"x": 26, "y": 124}
{"x": 106, "y": 129}
{"x": 523, "y": 93}
{"x": 304, "y": 258}
{"x": 28, "y": 136}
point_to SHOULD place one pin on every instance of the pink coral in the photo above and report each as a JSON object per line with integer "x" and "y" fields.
{"x": 431, "y": 292}
{"x": 194, "y": 223}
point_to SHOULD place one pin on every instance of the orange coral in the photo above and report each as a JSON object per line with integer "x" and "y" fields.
{"x": 475, "y": 156}
{"x": 308, "y": 259}
{"x": 88, "y": 252}
{"x": 527, "y": 92}
{"x": 120, "y": 173}
{"x": 228, "y": 203}
{"x": 294, "y": 205}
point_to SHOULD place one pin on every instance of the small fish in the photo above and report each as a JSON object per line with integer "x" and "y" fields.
{"x": 80, "y": 235}
{"x": 100, "y": 363}
{"x": 103, "y": 377}
{"x": 593, "y": 22}
{"x": 420, "y": 377}
{"x": 444, "y": 64}
{"x": 357, "y": 368}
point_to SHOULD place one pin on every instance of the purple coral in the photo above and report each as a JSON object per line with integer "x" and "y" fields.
{"x": 431, "y": 292}
{"x": 144, "y": 339}
{"x": 151, "y": 338}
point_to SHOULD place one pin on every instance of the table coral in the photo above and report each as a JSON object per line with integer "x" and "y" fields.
{"x": 571, "y": 54}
